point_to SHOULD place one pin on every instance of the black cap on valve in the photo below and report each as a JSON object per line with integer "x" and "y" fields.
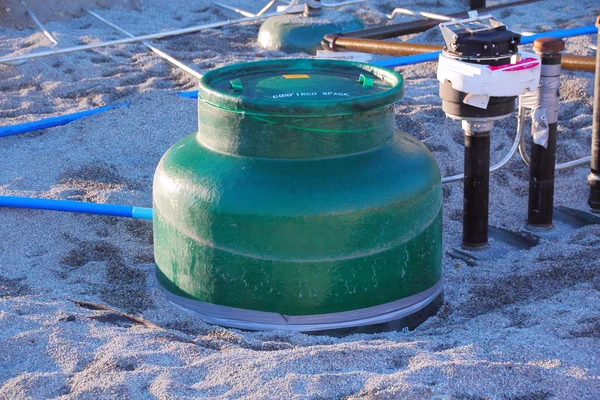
{"x": 492, "y": 47}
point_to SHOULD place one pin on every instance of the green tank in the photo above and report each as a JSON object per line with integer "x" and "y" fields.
{"x": 297, "y": 205}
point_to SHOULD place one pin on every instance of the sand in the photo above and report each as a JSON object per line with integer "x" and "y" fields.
{"x": 14, "y": 13}
{"x": 523, "y": 327}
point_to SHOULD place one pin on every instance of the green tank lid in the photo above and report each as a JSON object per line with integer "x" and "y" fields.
{"x": 307, "y": 86}
{"x": 330, "y": 101}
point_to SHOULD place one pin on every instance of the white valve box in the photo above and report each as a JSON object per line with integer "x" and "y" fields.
{"x": 482, "y": 81}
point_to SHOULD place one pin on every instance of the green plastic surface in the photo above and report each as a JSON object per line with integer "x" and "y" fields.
{"x": 236, "y": 85}
{"x": 295, "y": 33}
{"x": 275, "y": 88}
{"x": 298, "y": 206}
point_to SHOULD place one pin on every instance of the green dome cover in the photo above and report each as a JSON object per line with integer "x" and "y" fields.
{"x": 295, "y": 33}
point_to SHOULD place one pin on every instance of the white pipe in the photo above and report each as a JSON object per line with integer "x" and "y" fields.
{"x": 424, "y": 14}
{"x": 159, "y": 52}
{"x": 496, "y": 167}
{"x": 39, "y": 24}
{"x": 159, "y": 35}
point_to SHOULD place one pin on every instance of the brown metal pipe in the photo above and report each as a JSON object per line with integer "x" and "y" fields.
{"x": 578, "y": 63}
{"x": 339, "y": 43}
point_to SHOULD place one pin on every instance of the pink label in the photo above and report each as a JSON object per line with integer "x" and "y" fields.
{"x": 526, "y": 63}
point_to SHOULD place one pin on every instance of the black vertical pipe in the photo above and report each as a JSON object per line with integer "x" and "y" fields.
{"x": 543, "y": 159}
{"x": 541, "y": 181}
{"x": 476, "y": 189}
{"x": 476, "y": 4}
{"x": 594, "y": 176}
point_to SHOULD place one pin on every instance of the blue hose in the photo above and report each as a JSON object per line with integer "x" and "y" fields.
{"x": 190, "y": 95}
{"x": 433, "y": 56}
{"x": 55, "y": 121}
{"x": 563, "y": 33}
{"x": 76, "y": 206}
{"x": 407, "y": 60}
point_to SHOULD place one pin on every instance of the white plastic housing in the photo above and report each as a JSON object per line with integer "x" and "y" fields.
{"x": 491, "y": 80}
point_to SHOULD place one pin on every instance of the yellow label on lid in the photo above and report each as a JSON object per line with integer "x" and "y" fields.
{"x": 296, "y": 76}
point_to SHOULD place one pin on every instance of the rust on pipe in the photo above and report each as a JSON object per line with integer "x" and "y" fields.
{"x": 339, "y": 43}
{"x": 578, "y": 63}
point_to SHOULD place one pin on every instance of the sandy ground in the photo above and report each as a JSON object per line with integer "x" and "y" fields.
{"x": 14, "y": 13}
{"x": 523, "y": 327}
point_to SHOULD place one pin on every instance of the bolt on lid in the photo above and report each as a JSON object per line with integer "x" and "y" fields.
{"x": 300, "y": 86}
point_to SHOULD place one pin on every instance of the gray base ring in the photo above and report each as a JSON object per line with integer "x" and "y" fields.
{"x": 266, "y": 321}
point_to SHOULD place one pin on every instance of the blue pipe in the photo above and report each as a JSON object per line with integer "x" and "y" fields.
{"x": 76, "y": 206}
{"x": 433, "y": 56}
{"x": 563, "y": 33}
{"x": 407, "y": 60}
{"x": 190, "y": 95}
{"x": 54, "y": 121}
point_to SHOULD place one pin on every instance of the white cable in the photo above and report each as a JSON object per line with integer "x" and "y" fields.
{"x": 523, "y": 150}
{"x": 272, "y": 2}
{"x": 159, "y": 52}
{"x": 342, "y": 3}
{"x": 152, "y": 36}
{"x": 266, "y": 8}
{"x": 496, "y": 167}
{"x": 574, "y": 163}
{"x": 520, "y": 123}
{"x": 424, "y": 14}
{"x": 237, "y": 10}
{"x": 44, "y": 30}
